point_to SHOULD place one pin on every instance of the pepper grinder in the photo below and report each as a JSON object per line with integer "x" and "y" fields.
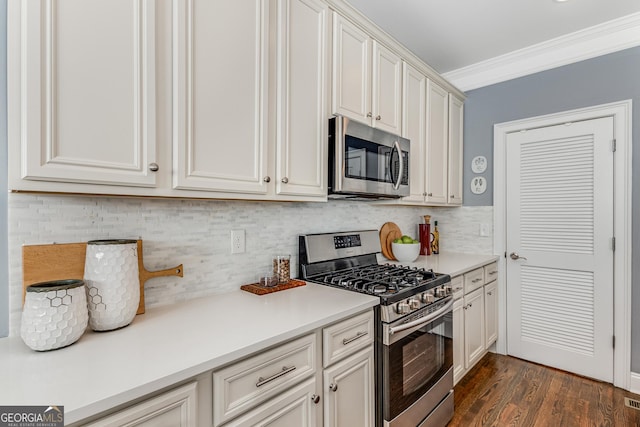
{"x": 425, "y": 236}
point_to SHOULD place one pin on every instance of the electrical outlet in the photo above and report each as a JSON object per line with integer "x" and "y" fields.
{"x": 484, "y": 230}
{"x": 237, "y": 242}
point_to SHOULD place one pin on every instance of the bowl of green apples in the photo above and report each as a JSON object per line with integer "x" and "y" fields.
{"x": 405, "y": 249}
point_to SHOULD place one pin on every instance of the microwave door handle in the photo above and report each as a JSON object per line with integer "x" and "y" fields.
{"x": 396, "y": 146}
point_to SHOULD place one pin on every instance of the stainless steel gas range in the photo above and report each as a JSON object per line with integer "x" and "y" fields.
{"x": 414, "y": 348}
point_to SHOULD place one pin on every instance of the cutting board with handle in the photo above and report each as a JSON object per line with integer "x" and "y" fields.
{"x": 42, "y": 263}
{"x": 388, "y": 233}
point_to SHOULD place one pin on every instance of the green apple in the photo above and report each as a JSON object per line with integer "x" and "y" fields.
{"x": 407, "y": 239}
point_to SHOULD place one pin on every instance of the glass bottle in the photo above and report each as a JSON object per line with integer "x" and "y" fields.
{"x": 435, "y": 243}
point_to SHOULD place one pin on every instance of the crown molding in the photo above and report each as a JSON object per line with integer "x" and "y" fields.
{"x": 608, "y": 37}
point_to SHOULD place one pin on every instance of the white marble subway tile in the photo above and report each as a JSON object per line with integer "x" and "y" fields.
{"x": 196, "y": 233}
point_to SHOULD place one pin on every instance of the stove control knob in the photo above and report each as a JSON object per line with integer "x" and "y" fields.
{"x": 414, "y": 304}
{"x": 428, "y": 297}
{"x": 402, "y": 308}
{"x": 440, "y": 292}
{"x": 448, "y": 290}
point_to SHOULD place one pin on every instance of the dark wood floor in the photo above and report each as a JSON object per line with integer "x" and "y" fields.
{"x": 505, "y": 391}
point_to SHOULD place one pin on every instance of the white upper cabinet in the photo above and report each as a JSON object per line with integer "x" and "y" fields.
{"x": 302, "y": 98}
{"x": 367, "y": 78}
{"x": 414, "y": 127}
{"x": 86, "y": 108}
{"x": 386, "y": 90}
{"x": 220, "y": 87}
{"x": 455, "y": 173}
{"x": 437, "y": 137}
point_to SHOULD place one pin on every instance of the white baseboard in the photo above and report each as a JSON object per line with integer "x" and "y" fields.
{"x": 634, "y": 383}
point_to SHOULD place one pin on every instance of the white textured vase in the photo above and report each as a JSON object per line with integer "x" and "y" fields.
{"x": 113, "y": 284}
{"x": 54, "y": 314}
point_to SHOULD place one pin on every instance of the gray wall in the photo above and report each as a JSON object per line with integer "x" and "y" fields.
{"x": 608, "y": 78}
{"x": 4, "y": 269}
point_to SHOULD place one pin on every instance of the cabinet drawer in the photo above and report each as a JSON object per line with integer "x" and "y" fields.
{"x": 457, "y": 287}
{"x": 490, "y": 272}
{"x": 245, "y": 384}
{"x": 344, "y": 338}
{"x": 473, "y": 280}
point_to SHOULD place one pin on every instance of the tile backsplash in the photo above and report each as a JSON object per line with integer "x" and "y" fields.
{"x": 196, "y": 233}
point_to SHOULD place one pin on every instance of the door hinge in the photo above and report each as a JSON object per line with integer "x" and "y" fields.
{"x": 505, "y": 254}
{"x": 613, "y": 244}
{"x": 613, "y": 146}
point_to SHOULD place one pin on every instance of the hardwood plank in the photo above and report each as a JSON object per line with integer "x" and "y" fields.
{"x": 505, "y": 391}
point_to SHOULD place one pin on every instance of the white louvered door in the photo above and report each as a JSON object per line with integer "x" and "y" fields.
{"x": 560, "y": 224}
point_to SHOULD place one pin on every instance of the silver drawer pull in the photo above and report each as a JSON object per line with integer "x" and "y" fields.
{"x": 491, "y": 273}
{"x": 476, "y": 280}
{"x": 285, "y": 370}
{"x": 352, "y": 339}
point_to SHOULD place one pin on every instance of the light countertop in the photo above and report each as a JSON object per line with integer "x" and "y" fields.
{"x": 450, "y": 263}
{"x": 164, "y": 346}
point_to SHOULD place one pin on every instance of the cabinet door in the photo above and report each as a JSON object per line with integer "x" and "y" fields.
{"x": 349, "y": 391}
{"x": 175, "y": 408}
{"x": 220, "y": 61}
{"x": 88, "y": 91}
{"x": 301, "y": 141}
{"x": 295, "y": 407}
{"x": 351, "y": 82}
{"x": 414, "y": 119}
{"x": 387, "y": 89}
{"x": 473, "y": 327}
{"x": 458, "y": 340}
{"x": 491, "y": 312}
{"x": 437, "y": 136}
{"x": 456, "y": 115}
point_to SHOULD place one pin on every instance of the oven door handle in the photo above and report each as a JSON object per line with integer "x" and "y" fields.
{"x": 396, "y": 146}
{"x": 423, "y": 320}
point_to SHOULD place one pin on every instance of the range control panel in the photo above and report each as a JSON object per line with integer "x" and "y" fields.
{"x": 347, "y": 241}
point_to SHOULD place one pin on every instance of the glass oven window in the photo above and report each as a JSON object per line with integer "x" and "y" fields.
{"x": 415, "y": 363}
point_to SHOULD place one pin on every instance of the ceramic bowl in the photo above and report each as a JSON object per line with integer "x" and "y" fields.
{"x": 405, "y": 252}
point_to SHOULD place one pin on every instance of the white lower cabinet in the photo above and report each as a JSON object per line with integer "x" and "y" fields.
{"x": 475, "y": 317}
{"x": 348, "y": 391}
{"x": 473, "y": 327}
{"x": 174, "y": 408}
{"x": 491, "y": 313}
{"x": 295, "y": 407}
{"x": 287, "y": 386}
{"x": 458, "y": 340}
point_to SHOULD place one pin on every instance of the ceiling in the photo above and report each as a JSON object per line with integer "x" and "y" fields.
{"x": 452, "y": 34}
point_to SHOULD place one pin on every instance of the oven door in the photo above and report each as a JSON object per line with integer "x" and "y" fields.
{"x": 417, "y": 365}
{"x": 367, "y": 161}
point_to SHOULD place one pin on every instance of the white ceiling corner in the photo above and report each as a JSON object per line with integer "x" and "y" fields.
{"x": 608, "y": 37}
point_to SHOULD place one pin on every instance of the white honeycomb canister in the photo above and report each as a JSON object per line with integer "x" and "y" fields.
{"x": 112, "y": 281}
{"x": 54, "y": 314}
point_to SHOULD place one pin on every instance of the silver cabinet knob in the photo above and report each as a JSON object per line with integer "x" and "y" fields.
{"x": 378, "y": 117}
{"x": 153, "y": 167}
{"x": 285, "y": 180}
{"x": 430, "y": 194}
{"x": 514, "y": 255}
{"x": 333, "y": 387}
{"x": 267, "y": 179}
{"x": 315, "y": 399}
{"x": 369, "y": 114}
{"x": 451, "y": 196}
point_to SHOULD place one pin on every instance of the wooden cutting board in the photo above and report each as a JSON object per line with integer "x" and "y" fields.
{"x": 42, "y": 263}
{"x": 388, "y": 233}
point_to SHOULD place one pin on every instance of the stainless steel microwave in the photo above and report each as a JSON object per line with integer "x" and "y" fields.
{"x": 365, "y": 162}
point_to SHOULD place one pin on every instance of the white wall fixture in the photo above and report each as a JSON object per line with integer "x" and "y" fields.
{"x": 478, "y": 185}
{"x": 479, "y": 164}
